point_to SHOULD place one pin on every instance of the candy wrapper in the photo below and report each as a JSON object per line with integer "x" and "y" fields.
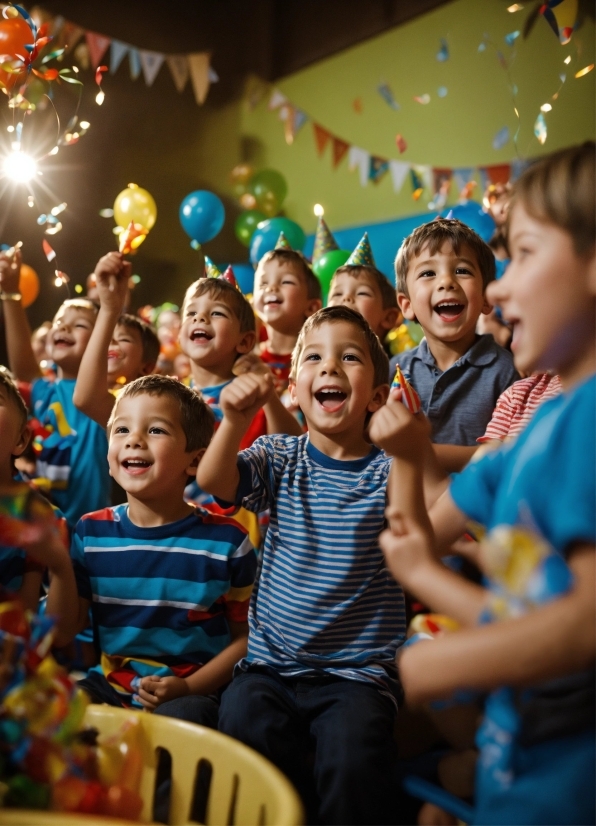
{"x": 410, "y": 397}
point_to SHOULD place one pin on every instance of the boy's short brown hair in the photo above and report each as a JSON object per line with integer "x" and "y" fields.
{"x": 376, "y": 276}
{"x": 12, "y": 391}
{"x": 221, "y": 290}
{"x": 433, "y": 235}
{"x": 80, "y": 304}
{"x": 149, "y": 340}
{"x": 196, "y": 417}
{"x": 559, "y": 189}
{"x": 331, "y": 315}
{"x": 313, "y": 285}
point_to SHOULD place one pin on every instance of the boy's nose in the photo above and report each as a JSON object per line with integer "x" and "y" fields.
{"x": 447, "y": 280}
{"x": 329, "y": 365}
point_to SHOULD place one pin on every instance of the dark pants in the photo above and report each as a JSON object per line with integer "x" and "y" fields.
{"x": 350, "y": 725}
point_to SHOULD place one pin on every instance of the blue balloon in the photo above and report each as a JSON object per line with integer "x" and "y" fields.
{"x": 266, "y": 234}
{"x": 475, "y": 217}
{"x": 202, "y": 215}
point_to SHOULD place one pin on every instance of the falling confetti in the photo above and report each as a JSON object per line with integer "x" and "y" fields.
{"x": 424, "y": 99}
{"x": 512, "y": 37}
{"x": 357, "y": 106}
{"x": 30, "y": 201}
{"x": 540, "y": 129}
{"x": 442, "y": 91}
{"x": 501, "y": 138}
{"x": 546, "y": 107}
{"x": 515, "y": 7}
{"x": 567, "y": 60}
{"x": 401, "y": 143}
{"x": 106, "y": 213}
{"x": 443, "y": 53}
{"x": 384, "y": 90}
{"x": 78, "y": 289}
{"x": 58, "y": 209}
{"x": 49, "y": 252}
{"x": 585, "y": 70}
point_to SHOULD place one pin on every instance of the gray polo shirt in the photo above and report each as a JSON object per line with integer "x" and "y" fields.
{"x": 459, "y": 402}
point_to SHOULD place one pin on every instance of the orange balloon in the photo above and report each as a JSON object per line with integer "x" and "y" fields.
{"x": 14, "y": 35}
{"x": 28, "y": 285}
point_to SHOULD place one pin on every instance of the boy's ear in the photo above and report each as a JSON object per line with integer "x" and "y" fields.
{"x": 247, "y": 342}
{"x": 191, "y": 470}
{"x": 390, "y": 318}
{"x": 147, "y": 368}
{"x": 23, "y": 441}
{"x": 486, "y": 307}
{"x": 292, "y": 392}
{"x": 379, "y": 398}
{"x": 405, "y": 305}
{"x": 313, "y": 305}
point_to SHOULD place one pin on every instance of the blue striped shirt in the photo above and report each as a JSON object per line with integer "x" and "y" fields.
{"x": 324, "y": 602}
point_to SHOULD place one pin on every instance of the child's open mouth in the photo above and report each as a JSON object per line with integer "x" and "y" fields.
{"x": 61, "y": 341}
{"x": 200, "y": 335}
{"x": 449, "y": 310}
{"x": 135, "y": 467}
{"x": 113, "y": 354}
{"x": 331, "y": 399}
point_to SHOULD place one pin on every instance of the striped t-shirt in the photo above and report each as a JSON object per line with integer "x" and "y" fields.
{"x": 517, "y": 405}
{"x": 161, "y": 597}
{"x": 324, "y": 602}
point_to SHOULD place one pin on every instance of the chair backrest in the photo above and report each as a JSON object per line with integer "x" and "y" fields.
{"x": 239, "y": 786}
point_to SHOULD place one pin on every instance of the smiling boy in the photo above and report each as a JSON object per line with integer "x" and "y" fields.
{"x": 442, "y": 270}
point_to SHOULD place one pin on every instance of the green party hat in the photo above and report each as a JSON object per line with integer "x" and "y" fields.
{"x": 324, "y": 240}
{"x": 282, "y": 243}
{"x": 211, "y": 270}
{"x": 362, "y": 255}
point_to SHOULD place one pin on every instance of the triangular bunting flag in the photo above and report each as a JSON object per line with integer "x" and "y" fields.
{"x": 362, "y": 255}
{"x": 399, "y": 170}
{"x": 134, "y": 61}
{"x": 276, "y": 100}
{"x": 340, "y": 150}
{"x": 359, "y": 159}
{"x": 117, "y": 53}
{"x": 324, "y": 240}
{"x": 417, "y": 184}
{"x": 499, "y": 174}
{"x": 178, "y": 65}
{"x": 70, "y": 34}
{"x": 442, "y": 185}
{"x": 425, "y": 172}
{"x": 322, "y": 137}
{"x": 378, "y": 168}
{"x": 198, "y": 65}
{"x": 294, "y": 119}
{"x": 462, "y": 176}
{"x": 98, "y": 46}
{"x": 484, "y": 179}
{"x": 282, "y": 243}
{"x": 151, "y": 63}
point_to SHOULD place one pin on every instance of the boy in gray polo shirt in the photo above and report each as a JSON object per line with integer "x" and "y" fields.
{"x": 442, "y": 270}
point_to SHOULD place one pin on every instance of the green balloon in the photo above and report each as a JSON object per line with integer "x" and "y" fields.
{"x": 269, "y": 189}
{"x": 246, "y": 223}
{"x": 327, "y": 265}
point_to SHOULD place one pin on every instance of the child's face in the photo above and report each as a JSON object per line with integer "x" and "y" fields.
{"x": 362, "y": 294}
{"x": 125, "y": 356}
{"x": 334, "y": 380}
{"x": 281, "y": 296}
{"x": 210, "y": 332}
{"x": 147, "y": 452}
{"x": 547, "y": 294}
{"x": 68, "y": 338}
{"x": 446, "y": 294}
{"x": 14, "y": 436}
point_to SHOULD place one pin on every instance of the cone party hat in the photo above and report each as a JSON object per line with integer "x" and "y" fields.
{"x": 324, "y": 241}
{"x": 282, "y": 243}
{"x": 362, "y": 255}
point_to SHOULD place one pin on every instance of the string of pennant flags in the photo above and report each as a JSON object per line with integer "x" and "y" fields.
{"x": 426, "y": 179}
{"x": 94, "y": 48}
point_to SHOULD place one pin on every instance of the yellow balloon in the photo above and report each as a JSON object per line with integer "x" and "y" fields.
{"x": 136, "y": 205}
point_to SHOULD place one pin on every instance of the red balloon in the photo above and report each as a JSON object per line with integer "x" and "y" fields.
{"x": 14, "y": 35}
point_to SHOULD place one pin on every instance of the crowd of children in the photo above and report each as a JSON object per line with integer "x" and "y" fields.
{"x": 294, "y": 638}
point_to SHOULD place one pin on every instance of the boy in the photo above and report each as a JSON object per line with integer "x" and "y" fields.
{"x": 168, "y": 583}
{"x": 442, "y": 270}
{"x": 127, "y": 343}
{"x": 366, "y": 289}
{"x": 71, "y": 461}
{"x": 31, "y": 537}
{"x": 286, "y": 293}
{"x": 325, "y": 621}
{"x": 537, "y": 742}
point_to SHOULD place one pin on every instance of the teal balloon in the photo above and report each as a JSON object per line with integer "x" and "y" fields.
{"x": 246, "y": 224}
{"x": 327, "y": 265}
{"x": 266, "y": 234}
{"x": 269, "y": 189}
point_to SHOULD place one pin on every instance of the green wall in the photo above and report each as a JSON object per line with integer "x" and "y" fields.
{"x": 454, "y": 131}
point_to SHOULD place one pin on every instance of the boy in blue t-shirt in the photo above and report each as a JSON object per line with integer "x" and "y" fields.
{"x": 70, "y": 448}
{"x": 325, "y": 619}
{"x": 168, "y": 584}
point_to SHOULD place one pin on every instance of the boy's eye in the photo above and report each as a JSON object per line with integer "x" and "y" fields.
{"x": 351, "y": 357}
{"x": 157, "y": 430}
{"x": 219, "y": 313}
{"x": 312, "y": 357}
{"x": 364, "y": 294}
{"x": 426, "y": 274}
{"x": 463, "y": 271}
{"x": 121, "y": 429}
{"x": 289, "y": 281}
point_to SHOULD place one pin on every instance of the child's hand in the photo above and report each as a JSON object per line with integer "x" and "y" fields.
{"x": 243, "y": 397}
{"x": 10, "y": 271}
{"x": 112, "y": 272}
{"x": 250, "y": 363}
{"x": 154, "y": 691}
{"x": 49, "y": 549}
{"x": 399, "y": 433}
{"x": 407, "y": 549}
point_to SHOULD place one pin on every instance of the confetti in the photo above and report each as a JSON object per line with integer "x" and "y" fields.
{"x": 424, "y": 99}
{"x": 401, "y": 143}
{"x": 501, "y": 138}
{"x": 58, "y": 209}
{"x": 131, "y": 238}
{"x": 136, "y": 279}
{"x": 357, "y": 106}
{"x": 49, "y": 252}
{"x": 384, "y": 90}
{"x": 546, "y": 107}
{"x": 443, "y": 53}
{"x": 482, "y": 47}
{"x": 567, "y": 60}
{"x": 78, "y": 289}
{"x": 515, "y": 7}
{"x": 30, "y": 201}
{"x": 512, "y": 37}
{"x": 54, "y": 229}
{"x": 585, "y": 70}
{"x": 442, "y": 91}
{"x": 540, "y": 129}
{"x": 41, "y": 219}
{"x": 106, "y": 213}
{"x": 61, "y": 278}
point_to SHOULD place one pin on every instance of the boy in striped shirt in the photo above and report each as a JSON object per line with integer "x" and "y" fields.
{"x": 168, "y": 583}
{"x": 325, "y": 618}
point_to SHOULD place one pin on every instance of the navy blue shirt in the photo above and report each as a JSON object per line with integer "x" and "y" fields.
{"x": 459, "y": 402}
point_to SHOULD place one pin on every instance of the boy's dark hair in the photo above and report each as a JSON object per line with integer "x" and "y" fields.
{"x": 313, "y": 285}
{"x": 196, "y": 418}
{"x": 433, "y": 235}
{"x": 331, "y": 315}
{"x": 387, "y": 291}
{"x": 149, "y": 339}
{"x": 12, "y": 391}
{"x": 559, "y": 189}
{"x": 221, "y": 290}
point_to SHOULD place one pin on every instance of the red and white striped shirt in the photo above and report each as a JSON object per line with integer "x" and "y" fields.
{"x": 516, "y": 406}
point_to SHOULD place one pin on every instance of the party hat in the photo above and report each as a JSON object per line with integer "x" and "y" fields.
{"x": 229, "y": 276}
{"x": 282, "y": 243}
{"x": 362, "y": 255}
{"x": 211, "y": 270}
{"x": 324, "y": 240}
{"x": 409, "y": 396}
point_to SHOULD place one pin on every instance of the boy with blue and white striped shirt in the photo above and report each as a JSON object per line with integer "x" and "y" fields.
{"x": 325, "y": 618}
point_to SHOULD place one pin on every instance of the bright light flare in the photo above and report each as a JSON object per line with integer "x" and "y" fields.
{"x": 546, "y": 107}
{"x": 19, "y": 167}
{"x": 318, "y": 210}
